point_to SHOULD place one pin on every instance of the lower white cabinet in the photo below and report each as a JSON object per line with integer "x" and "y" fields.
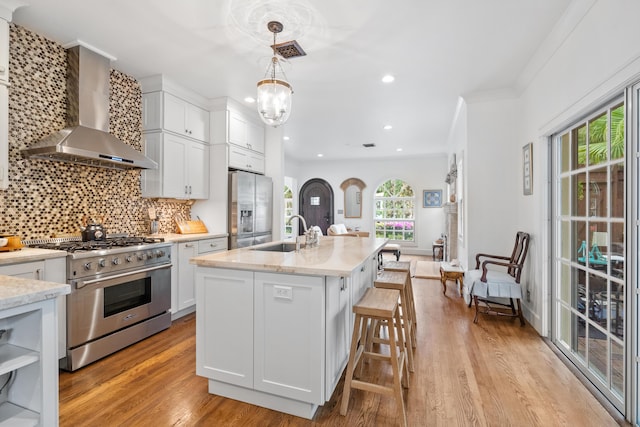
{"x": 261, "y": 334}
{"x": 183, "y": 287}
{"x": 27, "y": 348}
{"x": 50, "y": 270}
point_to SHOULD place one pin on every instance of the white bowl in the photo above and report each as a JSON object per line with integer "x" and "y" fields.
{"x": 3, "y": 241}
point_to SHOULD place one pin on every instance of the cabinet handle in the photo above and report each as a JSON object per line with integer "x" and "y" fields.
{"x": 343, "y": 284}
{"x": 186, "y": 191}
{"x": 38, "y": 271}
{"x": 213, "y": 245}
{"x": 189, "y": 189}
{"x": 188, "y": 245}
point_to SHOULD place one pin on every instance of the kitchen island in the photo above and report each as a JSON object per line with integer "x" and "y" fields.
{"x": 273, "y": 328}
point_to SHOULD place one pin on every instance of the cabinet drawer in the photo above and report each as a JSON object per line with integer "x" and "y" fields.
{"x": 212, "y": 245}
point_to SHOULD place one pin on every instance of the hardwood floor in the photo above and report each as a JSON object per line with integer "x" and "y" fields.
{"x": 491, "y": 373}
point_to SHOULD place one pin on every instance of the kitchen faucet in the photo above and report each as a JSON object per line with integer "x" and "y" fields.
{"x": 304, "y": 223}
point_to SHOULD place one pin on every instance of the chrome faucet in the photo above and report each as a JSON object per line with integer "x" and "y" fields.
{"x": 304, "y": 223}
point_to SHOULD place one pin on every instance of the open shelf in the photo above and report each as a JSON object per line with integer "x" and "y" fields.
{"x": 17, "y": 416}
{"x": 13, "y": 357}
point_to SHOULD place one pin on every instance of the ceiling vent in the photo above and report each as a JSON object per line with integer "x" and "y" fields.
{"x": 369, "y": 145}
{"x": 290, "y": 49}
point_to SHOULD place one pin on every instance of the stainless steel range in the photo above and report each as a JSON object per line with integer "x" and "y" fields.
{"x": 120, "y": 294}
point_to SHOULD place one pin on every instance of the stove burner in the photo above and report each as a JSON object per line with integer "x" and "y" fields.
{"x": 95, "y": 245}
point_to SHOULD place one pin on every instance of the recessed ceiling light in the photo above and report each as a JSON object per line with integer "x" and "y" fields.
{"x": 320, "y": 155}
{"x": 286, "y": 138}
{"x": 387, "y": 127}
{"x": 398, "y": 149}
{"x": 388, "y": 78}
{"x": 250, "y": 100}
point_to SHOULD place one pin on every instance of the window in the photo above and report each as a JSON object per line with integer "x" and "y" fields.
{"x": 288, "y": 212}
{"x": 589, "y": 235}
{"x": 395, "y": 211}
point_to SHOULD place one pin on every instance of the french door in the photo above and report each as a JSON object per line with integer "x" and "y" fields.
{"x": 590, "y": 296}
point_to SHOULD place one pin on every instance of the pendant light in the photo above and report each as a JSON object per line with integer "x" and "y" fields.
{"x": 274, "y": 94}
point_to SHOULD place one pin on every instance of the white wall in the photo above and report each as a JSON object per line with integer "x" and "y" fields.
{"x": 422, "y": 173}
{"x": 590, "y": 57}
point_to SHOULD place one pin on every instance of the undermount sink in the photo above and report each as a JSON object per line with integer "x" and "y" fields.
{"x": 278, "y": 247}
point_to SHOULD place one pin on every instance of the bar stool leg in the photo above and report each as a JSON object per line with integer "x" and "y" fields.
{"x": 354, "y": 357}
{"x": 395, "y": 365}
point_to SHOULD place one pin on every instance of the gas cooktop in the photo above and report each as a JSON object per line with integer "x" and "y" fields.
{"x": 73, "y": 246}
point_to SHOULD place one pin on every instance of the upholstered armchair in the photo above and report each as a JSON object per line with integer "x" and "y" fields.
{"x": 497, "y": 278}
{"x": 340, "y": 230}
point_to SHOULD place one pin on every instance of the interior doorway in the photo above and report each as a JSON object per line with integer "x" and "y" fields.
{"x": 316, "y": 204}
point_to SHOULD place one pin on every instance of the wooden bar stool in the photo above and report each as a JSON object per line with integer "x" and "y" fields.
{"x": 406, "y": 266}
{"x": 382, "y": 305}
{"x": 400, "y": 281}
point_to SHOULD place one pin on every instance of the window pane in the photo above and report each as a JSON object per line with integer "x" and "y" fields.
{"x": 598, "y": 352}
{"x": 598, "y": 139}
{"x": 565, "y": 155}
{"x": 598, "y": 192}
{"x": 617, "y": 190}
{"x": 579, "y": 194}
{"x": 617, "y": 132}
{"x": 580, "y": 143}
{"x": 617, "y": 367}
{"x": 565, "y": 201}
{"x": 580, "y": 233}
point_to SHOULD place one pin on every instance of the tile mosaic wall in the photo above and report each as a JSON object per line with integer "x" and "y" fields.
{"x": 47, "y": 198}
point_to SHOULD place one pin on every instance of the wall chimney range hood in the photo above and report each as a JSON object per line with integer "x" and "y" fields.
{"x": 86, "y": 139}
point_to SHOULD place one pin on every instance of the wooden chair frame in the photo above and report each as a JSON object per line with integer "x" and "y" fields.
{"x": 513, "y": 264}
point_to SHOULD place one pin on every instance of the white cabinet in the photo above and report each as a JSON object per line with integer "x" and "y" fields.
{"x": 183, "y": 288}
{"x": 50, "y": 270}
{"x": 338, "y": 330}
{"x": 243, "y": 159}
{"x": 183, "y": 171}
{"x": 362, "y": 279}
{"x": 224, "y": 326}
{"x": 162, "y": 110}
{"x": 4, "y": 104}
{"x": 289, "y": 318}
{"x": 244, "y": 133}
{"x": 27, "y": 349}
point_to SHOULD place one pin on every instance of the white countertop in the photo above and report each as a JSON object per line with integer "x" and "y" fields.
{"x": 335, "y": 256}
{"x": 16, "y": 291}
{"x": 28, "y": 255}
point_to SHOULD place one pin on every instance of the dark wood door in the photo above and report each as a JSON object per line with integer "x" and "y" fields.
{"x": 316, "y": 204}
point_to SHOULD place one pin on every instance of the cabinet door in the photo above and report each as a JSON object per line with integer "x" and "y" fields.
{"x": 197, "y": 171}
{"x": 4, "y": 136}
{"x": 289, "y": 336}
{"x": 4, "y": 52}
{"x": 241, "y": 158}
{"x": 174, "y": 159}
{"x": 26, "y": 270}
{"x": 338, "y": 331}
{"x": 207, "y": 246}
{"x": 174, "y": 114}
{"x": 197, "y": 121}
{"x": 238, "y": 132}
{"x": 224, "y": 325}
{"x": 255, "y": 137}
{"x": 186, "y": 275}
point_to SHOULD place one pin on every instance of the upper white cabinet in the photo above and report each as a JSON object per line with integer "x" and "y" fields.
{"x": 237, "y": 126}
{"x": 164, "y": 111}
{"x": 183, "y": 167}
{"x": 4, "y": 52}
{"x": 4, "y": 104}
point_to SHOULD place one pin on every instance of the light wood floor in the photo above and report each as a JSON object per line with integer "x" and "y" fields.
{"x": 491, "y": 373}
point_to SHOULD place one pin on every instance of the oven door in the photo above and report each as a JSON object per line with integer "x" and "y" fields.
{"x": 98, "y": 307}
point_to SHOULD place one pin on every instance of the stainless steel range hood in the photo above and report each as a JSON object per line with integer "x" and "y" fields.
{"x": 86, "y": 139}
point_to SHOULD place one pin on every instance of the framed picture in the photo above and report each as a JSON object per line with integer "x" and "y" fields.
{"x": 527, "y": 169}
{"x": 431, "y": 198}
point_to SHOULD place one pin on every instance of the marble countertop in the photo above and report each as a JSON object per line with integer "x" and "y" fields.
{"x": 335, "y": 256}
{"x": 28, "y": 255}
{"x": 177, "y": 238}
{"x": 16, "y": 291}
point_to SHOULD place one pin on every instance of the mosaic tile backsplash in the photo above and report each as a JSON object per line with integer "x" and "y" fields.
{"x": 48, "y": 198}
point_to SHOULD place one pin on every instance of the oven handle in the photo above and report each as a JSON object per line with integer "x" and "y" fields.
{"x": 84, "y": 283}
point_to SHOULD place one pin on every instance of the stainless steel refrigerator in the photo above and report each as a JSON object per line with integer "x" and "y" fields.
{"x": 250, "y": 209}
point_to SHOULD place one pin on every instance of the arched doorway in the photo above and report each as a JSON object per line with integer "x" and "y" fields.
{"x": 316, "y": 204}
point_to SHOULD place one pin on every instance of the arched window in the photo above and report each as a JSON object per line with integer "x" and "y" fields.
{"x": 395, "y": 211}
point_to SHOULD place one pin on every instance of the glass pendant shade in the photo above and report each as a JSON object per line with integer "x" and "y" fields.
{"x": 274, "y": 101}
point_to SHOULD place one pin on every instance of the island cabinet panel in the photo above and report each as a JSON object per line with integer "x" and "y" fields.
{"x": 224, "y": 326}
{"x": 338, "y": 332}
{"x": 289, "y": 319}
{"x": 361, "y": 279}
